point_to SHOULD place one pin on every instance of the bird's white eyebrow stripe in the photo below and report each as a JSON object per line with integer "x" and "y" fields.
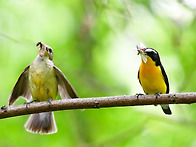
{"x": 150, "y": 50}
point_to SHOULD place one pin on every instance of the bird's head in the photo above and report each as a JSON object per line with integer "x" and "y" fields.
{"x": 45, "y": 51}
{"x": 147, "y": 53}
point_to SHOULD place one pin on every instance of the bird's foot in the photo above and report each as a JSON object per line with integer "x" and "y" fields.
{"x": 28, "y": 103}
{"x": 138, "y": 94}
{"x": 157, "y": 94}
{"x": 49, "y": 101}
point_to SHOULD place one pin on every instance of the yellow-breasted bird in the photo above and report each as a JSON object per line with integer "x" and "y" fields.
{"x": 152, "y": 75}
{"x": 41, "y": 81}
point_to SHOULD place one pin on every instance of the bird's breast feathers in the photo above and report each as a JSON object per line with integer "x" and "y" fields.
{"x": 151, "y": 78}
{"x": 42, "y": 81}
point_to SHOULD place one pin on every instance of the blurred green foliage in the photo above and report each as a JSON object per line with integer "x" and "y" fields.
{"x": 94, "y": 45}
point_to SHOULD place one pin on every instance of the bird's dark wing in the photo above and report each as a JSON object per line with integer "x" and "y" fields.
{"x": 138, "y": 76}
{"x": 21, "y": 88}
{"x": 165, "y": 78}
{"x": 64, "y": 87}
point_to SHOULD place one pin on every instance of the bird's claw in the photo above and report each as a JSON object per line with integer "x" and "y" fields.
{"x": 28, "y": 103}
{"x": 138, "y": 94}
{"x": 49, "y": 101}
{"x": 157, "y": 94}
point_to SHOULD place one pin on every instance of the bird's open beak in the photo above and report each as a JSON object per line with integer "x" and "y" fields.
{"x": 141, "y": 48}
{"x": 42, "y": 50}
{"x": 141, "y": 51}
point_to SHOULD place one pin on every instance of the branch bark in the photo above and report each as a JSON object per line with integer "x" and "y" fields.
{"x": 98, "y": 102}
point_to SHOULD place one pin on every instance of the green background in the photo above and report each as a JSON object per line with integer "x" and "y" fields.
{"x": 94, "y": 44}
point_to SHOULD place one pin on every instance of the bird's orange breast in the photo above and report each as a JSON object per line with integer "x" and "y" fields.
{"x": 151, "y": 78}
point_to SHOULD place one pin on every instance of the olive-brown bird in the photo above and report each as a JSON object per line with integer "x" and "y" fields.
{"x": 152, "y": 75}
{"x": 41, "y": 81}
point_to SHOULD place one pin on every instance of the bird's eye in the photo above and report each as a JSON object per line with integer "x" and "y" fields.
{"x": 50, "y": 50}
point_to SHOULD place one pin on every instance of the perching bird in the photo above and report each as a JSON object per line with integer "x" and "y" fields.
{"x": 41, "y": 81}
{"x": 152, "y": 75}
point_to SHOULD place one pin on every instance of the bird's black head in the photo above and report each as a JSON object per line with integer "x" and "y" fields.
{"x": 149, "y": 52}
{"x": 153, "y": 54}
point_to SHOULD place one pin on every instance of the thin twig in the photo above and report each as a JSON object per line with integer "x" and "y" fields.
{"x": 98, "y": 102}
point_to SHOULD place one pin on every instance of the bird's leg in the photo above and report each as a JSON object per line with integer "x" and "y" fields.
{"x": 157, "y": 94}
{"x": 49, "y": 101}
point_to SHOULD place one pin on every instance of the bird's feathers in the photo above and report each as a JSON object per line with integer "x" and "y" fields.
{"x": 43, "y": 123}
{"x": 64, "y": 87}
{"x": 21, "y": 88}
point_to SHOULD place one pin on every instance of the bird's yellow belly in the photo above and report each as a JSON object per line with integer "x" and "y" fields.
{"x": 152, "y": 80}
{"x": 43, "y": 84}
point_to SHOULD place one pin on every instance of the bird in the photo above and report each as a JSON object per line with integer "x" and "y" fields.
{"x": 151, "y": 74}
{"x": 41, "y": 81}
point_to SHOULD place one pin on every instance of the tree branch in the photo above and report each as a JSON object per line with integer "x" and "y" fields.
{"x": 98, "y": 102}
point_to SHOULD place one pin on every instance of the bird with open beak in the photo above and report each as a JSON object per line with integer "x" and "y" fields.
{"x": 41, "y": 81}
{"x": 152, "y": 75}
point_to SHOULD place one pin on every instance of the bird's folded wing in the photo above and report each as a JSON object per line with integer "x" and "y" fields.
{"x": 21, "y": 88}
{"x": 64, "y": 87}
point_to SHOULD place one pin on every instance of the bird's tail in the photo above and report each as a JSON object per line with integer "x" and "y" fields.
{"x": 43, "y": 123}
{"x": 166, "y": 109}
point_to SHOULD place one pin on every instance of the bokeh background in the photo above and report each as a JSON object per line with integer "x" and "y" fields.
{"x": 94, "y": 44}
